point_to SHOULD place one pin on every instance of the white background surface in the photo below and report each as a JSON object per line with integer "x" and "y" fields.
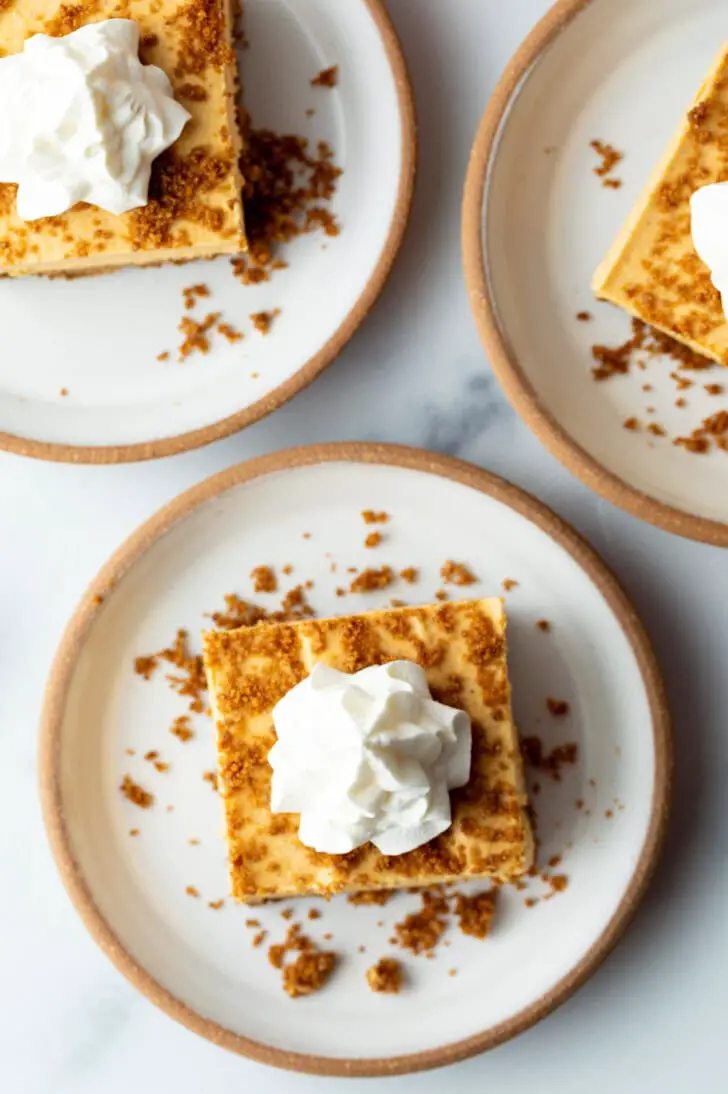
{"x": 654, "y": 1018}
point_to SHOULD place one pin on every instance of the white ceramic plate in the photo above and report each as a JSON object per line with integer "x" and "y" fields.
{"x": 198, "y": 964}
{"x": 99, "y": 337}
{"x": 537, "y": 222}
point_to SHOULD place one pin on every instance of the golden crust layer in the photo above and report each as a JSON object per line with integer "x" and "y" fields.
{"x": 462, "y": 648}
{"x": 652, "y": 270}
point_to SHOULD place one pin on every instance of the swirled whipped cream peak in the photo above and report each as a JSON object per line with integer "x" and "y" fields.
{"x": 82, "y": 119}
{"x": 709, "y": 227}
{"x": 368, "y": 758}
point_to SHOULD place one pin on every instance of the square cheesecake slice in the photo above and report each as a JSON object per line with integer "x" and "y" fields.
{"x": 462, "y": 648}
{"x": 195, "y": 204}
{"x": 652, "y": 269}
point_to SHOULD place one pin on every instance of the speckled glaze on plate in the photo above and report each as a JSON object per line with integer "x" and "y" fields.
{"x": 537, "y": 222}
{"x": 98, "y": 338}
{"x": 303, "y": 508}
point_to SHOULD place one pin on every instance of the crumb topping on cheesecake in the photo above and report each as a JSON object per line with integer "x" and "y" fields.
{"x": 204, "y": 40}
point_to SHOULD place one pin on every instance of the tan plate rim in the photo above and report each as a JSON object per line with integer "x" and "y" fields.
{"x": 50, "y": 746}
{"x": 512, "y": 377}
{"x": 307, "y": 373}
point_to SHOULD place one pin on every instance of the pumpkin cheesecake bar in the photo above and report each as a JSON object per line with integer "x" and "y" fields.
{"x": 194, "y": 206}
{"x": 652, "y": 270}
{"x": 462, "y": 649}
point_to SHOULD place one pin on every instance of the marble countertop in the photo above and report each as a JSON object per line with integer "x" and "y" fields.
{"x": 653, "y": 1018}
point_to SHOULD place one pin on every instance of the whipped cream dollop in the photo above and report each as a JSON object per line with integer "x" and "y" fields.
{"x": 709, "y": 226}
{"x": 368, "y": 757}
{"x": 82, "y": 119}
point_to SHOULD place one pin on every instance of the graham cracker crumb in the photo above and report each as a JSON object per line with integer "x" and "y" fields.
{"x": 558, "y": 707}
{"x": 457, "y": 573}
{"x": 308, "y": 973}
{"x": 617, "y": 360}
{"x": 263, "y": 320}
{"x": 610, "y": 157}
{"x": 544, "y": 625}
{"x": 177, "y": 192}
{"x": 69, "y": 17}
{"x": 370, "y": 516}
{"x": 136, "y": 794}
{"x": 475, "y": 913}
{"x": 369, "y": 580}
{"x": 712, "y": 432}
{"x": 196, "y": 334}
{"x": 191, "y": 891}
{"x": 327, "y": 77}
{"x": 410, "y": 575}
{"x": 311, "y": 969}
{"x": 192, "y": 294}
{"x": 264, "y": 579}
{"x": 584, "y": 316}
{"x": 552, "y": 762}
{"x": 509, "y": 584}
{"x": 190, "y": 682}
{"x": 378, "y": 898}
{"x": 386, "y": 976}
{"x": 204, "y": 40}
{"x": 230, "y": 333}
{"x": 276, "y": 955}
{"x": 181, "y": 728}
{"x": 216, "y": 905}
{"x": 211, "y": 778}
{"x": 420, "y": 931}
{"x": 373, "y": 539}
{"x": 285, "y": 186}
